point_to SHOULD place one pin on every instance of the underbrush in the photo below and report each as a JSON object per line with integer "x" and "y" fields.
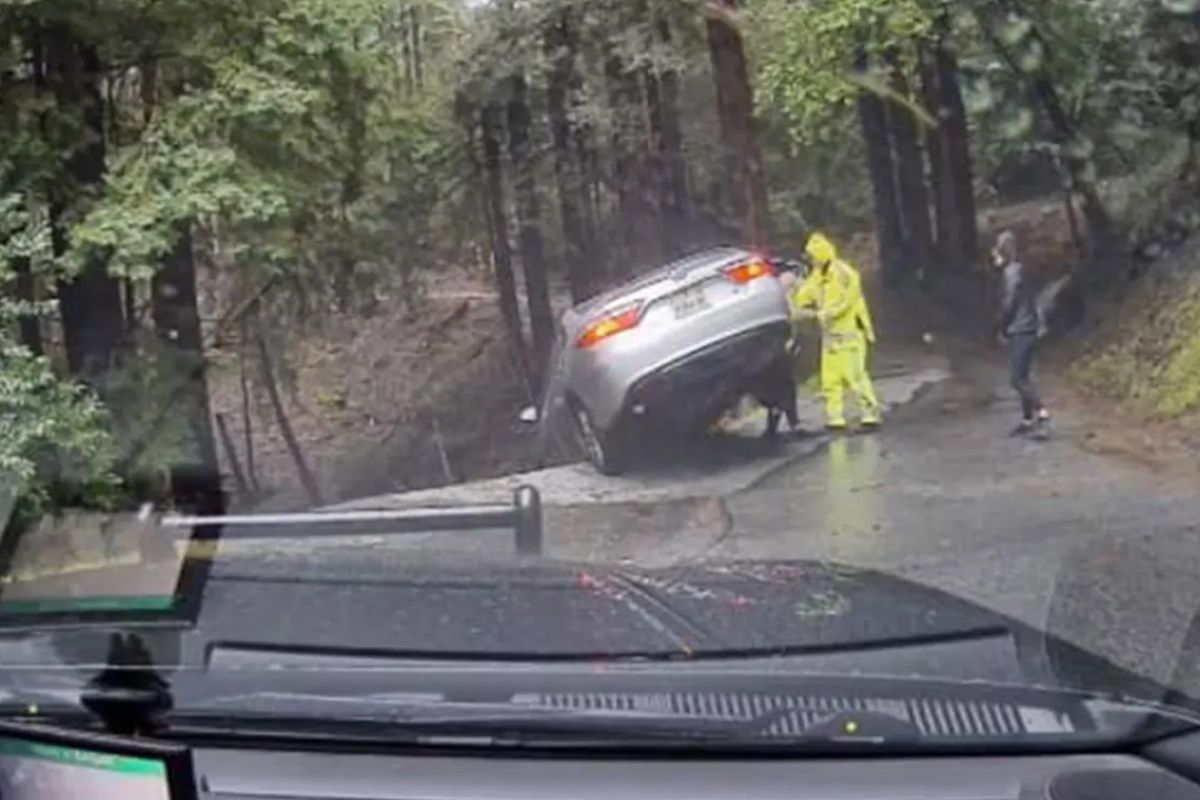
{"x": 1148, "y": 355}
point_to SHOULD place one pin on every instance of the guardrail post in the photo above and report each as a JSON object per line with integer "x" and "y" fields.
{"x": 528, "y": 506}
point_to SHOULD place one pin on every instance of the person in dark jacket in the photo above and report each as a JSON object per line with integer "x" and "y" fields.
{"x": 1020, "y": 327}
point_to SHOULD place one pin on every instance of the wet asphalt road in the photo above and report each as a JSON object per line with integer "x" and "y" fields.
{"x": 1101, "y": 552}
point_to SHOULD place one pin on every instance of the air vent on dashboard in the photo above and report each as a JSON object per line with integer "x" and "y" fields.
{"x": 792, "y": 715}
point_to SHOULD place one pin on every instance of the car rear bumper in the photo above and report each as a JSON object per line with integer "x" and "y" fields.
{"x": 690, "y": 388}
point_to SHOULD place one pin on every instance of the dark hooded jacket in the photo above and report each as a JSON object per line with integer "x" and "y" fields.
{"x": 1018, "y": 309}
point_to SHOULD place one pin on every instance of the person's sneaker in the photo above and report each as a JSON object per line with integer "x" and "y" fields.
{"x": 835, "y": 427}
{"x": 870, "y": 425}
{"x": 1041, "y": 429}
{"x": 1024, "y": 427}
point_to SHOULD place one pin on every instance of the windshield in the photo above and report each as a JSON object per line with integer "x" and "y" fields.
{"x": 821, "y": 337}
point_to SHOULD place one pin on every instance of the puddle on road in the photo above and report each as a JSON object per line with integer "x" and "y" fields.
{"x": 851, "y": 507}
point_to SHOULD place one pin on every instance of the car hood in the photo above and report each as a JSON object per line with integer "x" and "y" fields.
{"x": 797, "y": 616}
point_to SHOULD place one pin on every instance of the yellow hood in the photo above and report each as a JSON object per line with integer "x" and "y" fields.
{"x": 819, "y": 249}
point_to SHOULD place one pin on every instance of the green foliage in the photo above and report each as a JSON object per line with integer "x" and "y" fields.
{"x": 298, "y": 139}
{"x": 54, "y": 443}
{"x": 821, "y": 186}
{"x": 808, "y": 56}
{"x": 1109, "y": 63}
{"x": 295, "y": 142}
{"x": 808, "y": 59}
{"x": 55, "y": 446}
{"x": 1152, "y": 359}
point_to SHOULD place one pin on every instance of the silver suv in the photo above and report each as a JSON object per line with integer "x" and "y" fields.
{"x": 677, "y": 346}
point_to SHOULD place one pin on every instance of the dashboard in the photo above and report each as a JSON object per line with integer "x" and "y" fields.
{"x": 240, "y": 775}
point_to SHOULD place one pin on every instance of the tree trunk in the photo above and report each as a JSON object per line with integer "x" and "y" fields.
{"x": 745, "y": 181}
{"x": 1105, "y": 242}
{"x": 29, "y": 327}
{"x": 888, "y": 230}
{"x": 148, "y": 88}
{"x": 415, "y": 31}
{"x": 307, "y": 480}
{"x": 130, "y": 304}
{"x": 247, "y": 416}
{"x": 946, "y": 224}
{"x": 235, "y": 465}
{"x": 497, "y": 219}
{"x": 406, "y": 49}
{"x": 956, "y": 145}
{"x": 910, "y": 173}
{"x": 533, "y": 259}
{"x": 676, "y": 201}
{"x": 589, "y": 187}
{"x": 627, "y": 176}
{"x": 654, "y": 172}
{"x": 90, "y": 303}
{"x": 560, "y": 50}
{"x": 195, "y": 476}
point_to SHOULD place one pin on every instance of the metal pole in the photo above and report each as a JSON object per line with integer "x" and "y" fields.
{"x": 528, "y": 504}
{"x": 351, "y": 523}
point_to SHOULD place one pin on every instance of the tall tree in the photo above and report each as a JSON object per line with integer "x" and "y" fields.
{"x": 416, "y": 34}
{"x": 636, "y": 218}
{"x": 560, "y": 49}
{"x": 90, "y": 301}
{"x": 195, "y": 474}
{"x": 653, "y": 177}
{"x": 889, "y": 230}
{"x": 959, "y": 234}
{"x": 29, "y": 327}
{"x": 491, "y": 130}
{"x": 945, "y": 226}
{"x": 743, "y": 165}
{"x": 533, "y": 257}
{"x": 910, "y": 172}
{"x": 676, "y": 201}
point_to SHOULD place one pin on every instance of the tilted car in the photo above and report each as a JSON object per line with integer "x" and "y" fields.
{"x": 677, "y": 345}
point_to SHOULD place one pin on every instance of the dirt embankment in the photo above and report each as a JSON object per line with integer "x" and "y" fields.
{"x": 1144, "y": 356}
{"x": 1148, "y": 349}
{"x": 398, "y": 400}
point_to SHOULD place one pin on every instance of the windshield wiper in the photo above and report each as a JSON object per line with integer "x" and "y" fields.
{"x": 427, "y": 722}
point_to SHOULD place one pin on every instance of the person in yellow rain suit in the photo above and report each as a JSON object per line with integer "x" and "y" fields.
{"x": 832, "y": 293}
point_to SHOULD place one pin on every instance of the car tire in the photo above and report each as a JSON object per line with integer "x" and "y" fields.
{"x": 603, "y": 448}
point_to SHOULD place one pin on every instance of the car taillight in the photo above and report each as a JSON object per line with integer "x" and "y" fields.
{"x": 749, "y": 270}
{"x": 612, "y": 323}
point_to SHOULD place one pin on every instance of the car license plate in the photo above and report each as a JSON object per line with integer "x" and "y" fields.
{"x": 689, "y": 302}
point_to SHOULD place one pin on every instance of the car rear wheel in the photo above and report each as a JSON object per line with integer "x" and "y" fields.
{"x": 603, "y": 448}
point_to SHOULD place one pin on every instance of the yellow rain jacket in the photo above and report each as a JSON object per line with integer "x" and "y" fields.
{"x": 834, "y": 292}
